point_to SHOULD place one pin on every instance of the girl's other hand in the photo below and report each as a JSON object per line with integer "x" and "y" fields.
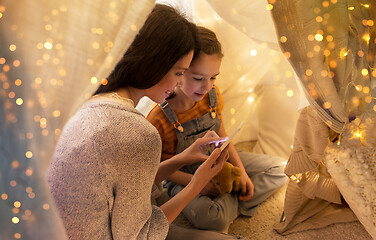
{"x": 246, "y": 188}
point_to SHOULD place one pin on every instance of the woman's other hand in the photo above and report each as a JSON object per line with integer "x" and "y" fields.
{"x": 210, "y": 168}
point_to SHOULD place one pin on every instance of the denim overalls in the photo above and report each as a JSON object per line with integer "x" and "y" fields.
{"x": 266, "y": 173}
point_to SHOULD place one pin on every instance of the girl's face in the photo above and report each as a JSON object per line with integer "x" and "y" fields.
{"x": 200, "y": 76}
{"x": 160, "y": 91}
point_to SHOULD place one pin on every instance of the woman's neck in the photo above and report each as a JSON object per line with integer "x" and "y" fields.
{"x": 181, "y": 102}
{"x": 131, "y": 93}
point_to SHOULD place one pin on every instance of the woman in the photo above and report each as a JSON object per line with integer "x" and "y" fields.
{"x": 107, "y": 158}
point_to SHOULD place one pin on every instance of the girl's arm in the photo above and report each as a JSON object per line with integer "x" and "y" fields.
{"x": 246, "y": 184}
{"x": 202, "y": 176}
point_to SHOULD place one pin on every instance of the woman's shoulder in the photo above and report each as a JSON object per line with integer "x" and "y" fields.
{"x": 107, "y": 118}
{"x": 107, "y": 111}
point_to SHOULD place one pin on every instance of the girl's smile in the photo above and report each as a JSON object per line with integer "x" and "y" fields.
{"x": 200, "y": 95}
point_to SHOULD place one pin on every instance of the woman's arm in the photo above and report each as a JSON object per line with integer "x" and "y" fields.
{"x": 192, "y": 154}
{"x": 184, "y": 178}
{"x": 202, "y": 176}
{"x": 167, "y": 167}
{"x": 180, "y": 177}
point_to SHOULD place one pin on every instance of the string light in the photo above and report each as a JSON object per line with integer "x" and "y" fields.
{"x": 253, "y": 52}
{"x": 15, "y": 220}
{"x": 12, "y": 47}
{"x": 290, "y": 93}
{"x": 319, "y": 37}
{"x": 343, "y": 53}
{"x": 359, "y": 133}
{"x": 94, "y": 80}
{"x": 48, "y": 45}
{"x": 366, "y": 38}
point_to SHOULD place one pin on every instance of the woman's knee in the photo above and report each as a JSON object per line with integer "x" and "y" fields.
{"x": 212, "y": 217}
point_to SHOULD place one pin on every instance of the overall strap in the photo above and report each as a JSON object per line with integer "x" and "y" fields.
{"x": 212, "y": 98}
{"x": 212, "y": 102}
{"x": 171, "y": 116}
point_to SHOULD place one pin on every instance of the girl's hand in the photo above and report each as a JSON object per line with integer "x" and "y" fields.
{"x": 246, "y": 187}
{"x": 210, "y": 190}
{"x": 209, "y": 168}
{"x": 195, "y": 152}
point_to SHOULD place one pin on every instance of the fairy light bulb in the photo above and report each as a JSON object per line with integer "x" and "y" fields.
{"x": 358, "y": 134}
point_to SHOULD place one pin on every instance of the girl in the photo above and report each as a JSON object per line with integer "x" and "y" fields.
{"x": 193, "y": 109}
{"x": 106, "y": 162}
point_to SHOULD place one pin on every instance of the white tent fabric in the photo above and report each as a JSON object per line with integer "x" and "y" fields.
{"x": 54, "y": 54}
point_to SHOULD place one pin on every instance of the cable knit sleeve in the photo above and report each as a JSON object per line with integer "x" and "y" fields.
{"x": 102, "y": 174}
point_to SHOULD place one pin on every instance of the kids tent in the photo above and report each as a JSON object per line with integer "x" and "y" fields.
{"x": 299, "y": 74}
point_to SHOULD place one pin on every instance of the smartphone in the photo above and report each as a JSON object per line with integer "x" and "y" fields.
{"x": 232, "y": 135}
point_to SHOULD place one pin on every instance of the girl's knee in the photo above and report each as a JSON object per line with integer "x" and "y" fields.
{"x": 277, "y": 164}
{"x": 278, "y": 161}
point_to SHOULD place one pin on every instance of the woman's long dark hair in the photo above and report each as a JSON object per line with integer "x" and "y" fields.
{"x": 165, "y": 37}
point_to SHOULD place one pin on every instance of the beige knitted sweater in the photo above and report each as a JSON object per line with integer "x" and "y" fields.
{"x": 102, "y": 173}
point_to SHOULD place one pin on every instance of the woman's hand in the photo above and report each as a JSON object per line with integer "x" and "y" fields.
{"x": 195, "y": 152}
{"x": 210, "y": 190}
{"x": 246, "y": 187}
{"x": 210, "y": 168}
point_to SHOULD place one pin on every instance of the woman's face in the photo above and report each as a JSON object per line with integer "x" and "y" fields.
{"x": 200, "y": 76}
{"x": 160, "y": 91}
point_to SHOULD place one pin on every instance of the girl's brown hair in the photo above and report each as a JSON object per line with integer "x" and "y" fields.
{"x": 207, "y": 43}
